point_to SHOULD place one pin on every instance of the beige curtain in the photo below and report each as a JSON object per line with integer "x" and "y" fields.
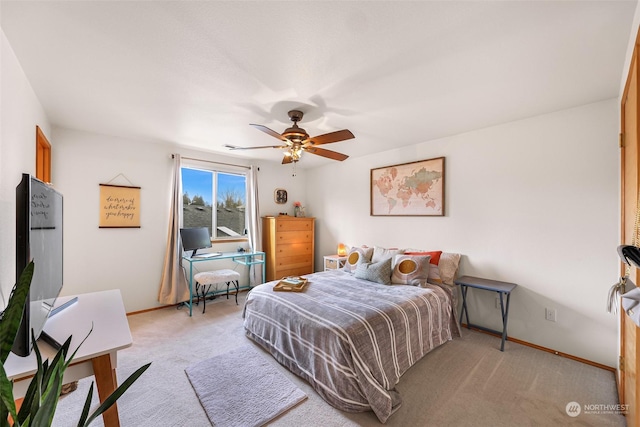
{"x": 255, "y": 238}
{"x": 174, "y": 287}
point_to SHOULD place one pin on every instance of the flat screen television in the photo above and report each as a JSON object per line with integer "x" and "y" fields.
{"x": 195, "y": 238}
{"x": 38, "y": 238}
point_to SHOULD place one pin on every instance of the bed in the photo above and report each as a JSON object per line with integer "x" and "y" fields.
{"x": 351, "y": 339}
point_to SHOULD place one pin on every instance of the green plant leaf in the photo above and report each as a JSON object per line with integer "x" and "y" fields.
{"x": 6, "y": 393}
{"x": 4, "y": 417}
{"x": 87, "y": 406}
{"x": 111, "y": 399}
{"x": 42, "y": 380}
{"x": 68, "y": 343}
{"x": 50, "y": 393}
{"x": 44, "y": 416}
{"x": 12, "y": 314}
{"x": 58, "y": 358}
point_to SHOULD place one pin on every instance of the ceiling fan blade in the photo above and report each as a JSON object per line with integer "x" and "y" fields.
{"x": 337, "y": 136}
{"x": 235, "y": 147}
{"x": 273, "y": 133}
{"x": 326, "y": 153}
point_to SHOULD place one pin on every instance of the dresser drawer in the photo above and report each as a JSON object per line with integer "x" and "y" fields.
{"x": 294, "y": 225}
{"x": 289, "y": 249}
{"x": 294, "y": 237}
{"x": 293, "y": 261}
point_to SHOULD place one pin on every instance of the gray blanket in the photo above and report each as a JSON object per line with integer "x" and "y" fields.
{"x": 351, "y": 339}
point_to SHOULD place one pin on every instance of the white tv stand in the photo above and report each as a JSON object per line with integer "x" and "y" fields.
{"x": 97, "y": 356}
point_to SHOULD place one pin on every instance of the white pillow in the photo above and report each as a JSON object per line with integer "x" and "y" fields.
{"x": 410, "y": 269}
{"x": 380, "y": 254}
{"x": 447, "y": 268}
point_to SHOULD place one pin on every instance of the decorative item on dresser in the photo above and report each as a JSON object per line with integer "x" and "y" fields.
{"x": 289, "y": 246}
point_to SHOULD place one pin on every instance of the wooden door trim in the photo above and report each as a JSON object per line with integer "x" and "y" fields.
{"x": 43, "y": 156}
{"x": 620, "y": 376}
{"x": 634, "y": 56}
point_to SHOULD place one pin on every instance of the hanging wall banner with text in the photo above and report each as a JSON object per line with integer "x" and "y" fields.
{"x": 119, "y": 206}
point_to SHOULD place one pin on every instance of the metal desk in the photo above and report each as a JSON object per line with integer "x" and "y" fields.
{"x": 502, "y": 288}
{"x": 244, "y": 258}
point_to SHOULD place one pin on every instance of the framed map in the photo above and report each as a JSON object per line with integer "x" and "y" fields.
{"x": 408, "y": 189}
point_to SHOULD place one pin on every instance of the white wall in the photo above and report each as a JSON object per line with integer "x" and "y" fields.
{"x": 632, "y": 41}
{"x": 130, "y": 259}
{"x": 533, "y": 202}
{"x": 20, "y": 112}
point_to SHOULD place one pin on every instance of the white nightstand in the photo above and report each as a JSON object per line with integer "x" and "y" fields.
{"x": 334, "y": 262}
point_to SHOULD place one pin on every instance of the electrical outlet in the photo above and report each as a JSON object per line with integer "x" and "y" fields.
{"x": 498, "y": 303}
{"x": 550, "y": 314}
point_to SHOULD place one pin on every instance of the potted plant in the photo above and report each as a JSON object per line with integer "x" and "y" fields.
{"x": 41, "y": 398}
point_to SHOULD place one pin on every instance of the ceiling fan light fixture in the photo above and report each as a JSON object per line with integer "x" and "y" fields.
{"x": 295, "y": 134}
{"x": 296, "y": 152}
{"x": 295, "y": 140}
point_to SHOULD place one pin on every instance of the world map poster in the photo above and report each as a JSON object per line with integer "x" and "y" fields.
{"x": 411, "y": 189}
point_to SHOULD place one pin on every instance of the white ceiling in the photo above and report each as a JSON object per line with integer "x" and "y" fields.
{"x": 393, "y": 72}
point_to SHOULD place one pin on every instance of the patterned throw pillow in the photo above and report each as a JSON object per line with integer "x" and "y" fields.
{"x": 379, "y": 272}
{"x": 410, "y": 270}
{"x": 357, "y": 256}
{"x": 434, "y": 272}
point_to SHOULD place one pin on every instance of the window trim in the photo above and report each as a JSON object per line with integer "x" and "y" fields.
{"x": 218, "y": 168}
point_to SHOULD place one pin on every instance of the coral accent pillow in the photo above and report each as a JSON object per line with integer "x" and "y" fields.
{"x": 410, "y": 270}
{"x": 435, "y": 255}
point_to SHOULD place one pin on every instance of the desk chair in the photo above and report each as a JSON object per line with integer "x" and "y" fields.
{"x": 206, "y": 279}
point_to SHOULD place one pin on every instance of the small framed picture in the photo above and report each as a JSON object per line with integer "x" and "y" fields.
{"x": 280, "y": 196}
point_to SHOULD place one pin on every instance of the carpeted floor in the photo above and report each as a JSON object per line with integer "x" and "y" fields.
{"x": 259, "y": 391}
{"x": 466, "y": 382}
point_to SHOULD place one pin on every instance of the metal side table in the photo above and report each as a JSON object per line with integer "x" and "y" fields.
{"x": 502, "y": 288}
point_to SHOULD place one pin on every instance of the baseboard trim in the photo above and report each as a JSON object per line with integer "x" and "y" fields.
{"x": 548, "y": 350}
{"x": 152, "y": 309}
{"x": 173, "y": 305}
{"x": 464, "y": 325}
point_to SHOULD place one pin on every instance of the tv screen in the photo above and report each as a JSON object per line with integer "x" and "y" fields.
{"x": 195, "y": 238}
{"x": 38, "y": 238}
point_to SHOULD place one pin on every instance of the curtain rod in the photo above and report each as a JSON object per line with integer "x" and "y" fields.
{"x": 173, "y": 156}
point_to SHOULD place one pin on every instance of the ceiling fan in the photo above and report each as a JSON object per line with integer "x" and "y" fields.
{"x": 296, "y": 140}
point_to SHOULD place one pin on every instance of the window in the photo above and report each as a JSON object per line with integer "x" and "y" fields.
{"x": 216, "y": 200}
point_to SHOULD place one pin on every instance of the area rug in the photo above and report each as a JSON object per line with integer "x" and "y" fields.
{"x": 242, "y": 388}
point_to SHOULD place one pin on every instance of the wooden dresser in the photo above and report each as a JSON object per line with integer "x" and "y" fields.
{"x": 288, "y": 243}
